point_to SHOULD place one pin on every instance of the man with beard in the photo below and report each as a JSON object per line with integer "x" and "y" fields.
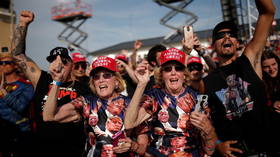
{"x": 243, "y": 132}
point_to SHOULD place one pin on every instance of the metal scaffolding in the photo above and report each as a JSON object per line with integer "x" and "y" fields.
{"x": 243, "y": 13}
{"x": 176, "y": 6}
{"x": 72, "y": 15}
{"x": 252, "y": 16}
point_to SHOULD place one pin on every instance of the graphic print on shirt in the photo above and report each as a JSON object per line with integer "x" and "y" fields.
{"x": 235, "y": 98}
{"x": 65, "y": 95}
{"x": 172, "y": 132}
{"x": 106, "y": 120}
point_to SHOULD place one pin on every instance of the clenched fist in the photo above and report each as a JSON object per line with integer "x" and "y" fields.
{"x": 26, "y": 17}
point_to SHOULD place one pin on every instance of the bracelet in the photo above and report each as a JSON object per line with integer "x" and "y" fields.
{"x": 56, "y": 83}
{"x": 218, "y": 142}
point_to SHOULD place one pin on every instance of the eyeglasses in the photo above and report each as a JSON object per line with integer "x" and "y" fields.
{"x": 6, "y": 62}
{"x": 195, "y": 66}
{"x": 177, "y": 68}
{"x": 222, "y": 34}
{"x": 78, "y": 65}
{"x": 106, "y": 75}
{"x": 64, "y": 60}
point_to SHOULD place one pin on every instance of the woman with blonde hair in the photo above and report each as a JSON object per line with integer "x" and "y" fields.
{"x": 103, "y": 111}
{"x": 180, "y": 105}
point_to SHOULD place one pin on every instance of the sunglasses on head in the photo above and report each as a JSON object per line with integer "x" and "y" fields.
{"x": 177, "y": 68}
{"x": 222, "y": 34}
{"x": 64, "y": 60}
{"x": 195, "y": 66}
{"x": 106, "y": 75}
{"x": 78, "y": 65}
{"x": 6, "y": 62}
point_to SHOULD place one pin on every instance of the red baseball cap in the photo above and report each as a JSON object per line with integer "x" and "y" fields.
{"x": 78, "y": 57}
{"x": 194, "y": 59}
{"x": 172, "y": 54}
{"x": 104, "y": 62}
{"x": 121, "y": 57}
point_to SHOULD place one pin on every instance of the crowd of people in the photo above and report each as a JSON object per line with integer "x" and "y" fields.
{"x": 169, "y": 103}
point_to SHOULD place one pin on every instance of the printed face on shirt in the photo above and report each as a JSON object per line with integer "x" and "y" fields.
{"x": 163, "y": 116}
{"x": 114, "y": 124}
{"x": 116, "y": 107}
{"x": 226, "y": 47}
{"x": 270, "y": 66}
{"x": 104, "y": 84}
{"x": 107, "y": 151}
{"x": 173, "y": 76}
{"x": 182, "y": 121}
{"x": 178, "y": 142}
{"x": 93, "y": 119}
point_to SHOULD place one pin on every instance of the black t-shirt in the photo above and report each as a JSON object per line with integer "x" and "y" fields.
{"x": 237, "y": 100}
{"x": 56, "y": 139}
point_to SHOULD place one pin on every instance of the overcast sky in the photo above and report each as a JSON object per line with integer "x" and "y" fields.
{"x": 113, "y": 22}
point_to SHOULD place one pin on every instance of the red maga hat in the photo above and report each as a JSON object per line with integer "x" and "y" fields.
{"x": 194, "y": 59}
{"x": 172, "y": 54}
{"x": 105, "y": 62}
{"x": 78, "y": 57}
{"x": 121, "y": 57}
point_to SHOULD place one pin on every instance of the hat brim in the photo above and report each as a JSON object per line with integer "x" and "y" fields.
{"x": 174, "y": 61}
{"x": 80, "y": 61}
{"x": 51, "y": 58}
{"x": 95, "y": 70}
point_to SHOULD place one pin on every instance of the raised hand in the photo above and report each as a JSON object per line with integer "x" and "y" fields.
{"x": 142, "y": 72}
{"x": 137, "y": 44}
{"x": 197, "y": 45}
{"x": 124, "y": 146}
{"x": 56, "y": 69}
{"x": 188, "y": 40}
{"x": 26, "y": 17}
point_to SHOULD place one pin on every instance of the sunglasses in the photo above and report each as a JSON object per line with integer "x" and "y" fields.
{"x": 6, "y": 62}
{"x": 197, "y": 67}
{"x": 106, "y": 75}
{"x": 64, "y": 60}
{"x": 177, "y": 68}
{"x": 82, "y": 65}
{"x": 221, "y": 35}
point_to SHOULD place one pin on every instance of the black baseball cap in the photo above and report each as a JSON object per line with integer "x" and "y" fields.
{"x": 224, "y": 25}
{"x": 61, "y": 51}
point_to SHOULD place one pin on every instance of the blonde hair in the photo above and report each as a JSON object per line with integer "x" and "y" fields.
{"x": 160, "y": 82}
{"x": 121, "y": 84}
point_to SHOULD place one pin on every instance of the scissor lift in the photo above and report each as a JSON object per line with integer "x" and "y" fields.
{"x": 176, "y": 6}
{"x": 72, "y": 15}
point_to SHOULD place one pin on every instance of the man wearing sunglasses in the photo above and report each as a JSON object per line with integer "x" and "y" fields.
{"x": 53, "y": 139}
{"x": 15, "y": 96}
{"x": 239, "y": 130}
